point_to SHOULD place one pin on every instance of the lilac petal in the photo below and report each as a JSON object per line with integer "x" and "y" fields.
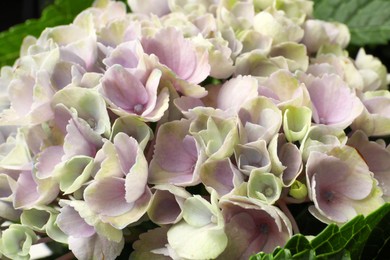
{"x": 184, "y": 103}
{"x": 291, "y": 157}
{"x": 333, "y": 102}
{"x": 236, "y": 92}
{"x": 87, "y": 104}
{"x": 376, "y": 157}
{"x": 338, "y": 209}
{"x": 126, "y": 148}
{"x": 124, "y": 90}
{"x": 162, "y": 104}
{"x": 378, "y": 105}
{"x": 7, "y": 185}
{"x": 21, "y": 94}
{"x": 70, "y": 222}
{"x": 26, "y": 192}
{"x": 335, "y": 176}
{"x": 95, "y": 247}
{"x": 221, "y": 175}
{"x": 252, "y": 156}
{"x": 151, "y": 88}
{"x": 260, "y": 119}
{"x": 131, "y": 215}
{"x": 164, "y": 208}
{"x": 174, "y": 156}
{"x": 167, "y": 196}
{"x": 107, "y": 196}
{"x": 252, "y": 227}
{"x": 80, "y": 139}
{"x": 91, "y": 218}
{"x": 47, "y": 160}
{"x": 293, "y": 93}
{"x": 125, "y": 54}
{"x": 181, "y": 57}
{"x": 137, "y": 175}
{"x": 134, "y": 127}
{"x": 84, "y": 52}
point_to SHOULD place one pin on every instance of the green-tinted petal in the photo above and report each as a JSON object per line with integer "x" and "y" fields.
{"x": 133, "y": 127}
{"x": 89, "y": 105}
{"x": 35, "y": 219}
{"x": 217, "y": 136}
{"x": 16, "y": 241}
{"x": 264, "y": 186}
{"x": 197, "y": 243}
{"x": 197, "y": 211}
{"x": 53, "y": 231}
{"x": 19, "y": 154}
{"x": 294, "y": 53}
{"x": 296, "y": 123}
{"x": 73, "y": 173}
{"x": 104, "y": 229}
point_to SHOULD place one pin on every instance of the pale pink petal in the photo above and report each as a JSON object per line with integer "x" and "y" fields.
{"x": 124, "y": 90}
{"x": 70, "y": 222}
{"x": 148, "y": 7}
{"x": 80, "y": 139}
{"x": 333, "y": 205}
{"x": 333, "y": 102}
{"x": 20, "y": 91}
{"x": 125, "y": 54}
{"x": 47, "y": 160}
{"x": 95, "y": 247}
{"x": 235, "y": 92}
{"x": 151, "y": 88}
{"x": 107, "y": 196}
{"x": 126, "y": 148}
{"x": 174, "y": 156}
{"x": 164, "y": 208}
{"x": 178, "y": 54}
{"x": 26, "y": 192}
{"x": 221, "y": 175}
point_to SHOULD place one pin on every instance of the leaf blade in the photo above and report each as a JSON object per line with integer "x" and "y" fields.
{"x": 368, "y": 21}
{"x": 61, "y": 12}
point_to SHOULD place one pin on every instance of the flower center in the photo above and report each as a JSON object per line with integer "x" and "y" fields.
{"x": 329, "y": 196}
{"x": 138, "y": 109}
{"x": 268, "y": 191}
{"x": 264, "y": 229}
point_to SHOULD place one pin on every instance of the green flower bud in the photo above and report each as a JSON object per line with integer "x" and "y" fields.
{"x": 298, "y": 190}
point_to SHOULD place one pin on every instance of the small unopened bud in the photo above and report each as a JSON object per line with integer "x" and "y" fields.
{"x": 298, "y": 190}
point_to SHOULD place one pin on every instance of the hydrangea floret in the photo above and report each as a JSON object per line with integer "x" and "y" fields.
{"x": 185, "y": 129}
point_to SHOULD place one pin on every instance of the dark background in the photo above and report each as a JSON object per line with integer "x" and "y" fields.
{"x": 17, "y": 11}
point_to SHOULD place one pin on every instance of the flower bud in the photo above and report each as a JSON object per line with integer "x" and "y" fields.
{"x": 298, "y": 190}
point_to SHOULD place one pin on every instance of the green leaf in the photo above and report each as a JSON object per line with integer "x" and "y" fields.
{"x": 357, "y": 238}
{"x": 298, "y": 243}
{"x": 59, "y": 13}
{"x": 368, "y": 20}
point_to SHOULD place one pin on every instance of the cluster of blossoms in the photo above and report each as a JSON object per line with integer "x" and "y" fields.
{"x": 202, "y": 119}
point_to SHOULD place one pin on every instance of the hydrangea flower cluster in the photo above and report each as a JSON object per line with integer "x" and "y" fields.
{"x": 184, "y": 128}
